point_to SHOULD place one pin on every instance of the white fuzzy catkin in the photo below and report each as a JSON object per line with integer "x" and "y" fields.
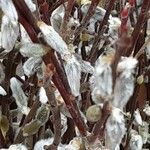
{"x": 9, "y": 10}
{"x": 2, "y": 91}
{"x": 57, "y": 17}
{"x": 86, "y": 67}
{"x": 63, "y": 123}
{"x": 33, "y": 50}
{"x": 101, "y": 81}
{"x": 39, "y": 145}
{"x": 73, "y": 72}
{"x": 147, "y": 110}
{"x": 144, "y": 131}
{"x": 32, "y": 65}
{"x": 136, "y": 142}
{"x": 42, "y": 114}
{"x": 42, "y": 96}
{"x": 9, "y": 33}
{"x": 115, "y": 129}
{"x": 24, "y": 35}
{"x": 137, "y": 118}
{"x": 98, "y": 15}
{"x": 16, "y": 147}
{"x": 124, "y": 86}
{"x": 53, "y": 39}
{"x": 31, "y": 5}
{"x": 20, "y": 97}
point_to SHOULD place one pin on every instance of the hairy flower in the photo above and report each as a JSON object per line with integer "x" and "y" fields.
{"x": 32, "y": 65}
{"x": 136, "y": 142}
{"x": 115, "y": 129}
{"x": 2, "y": 91}
{"x": 20, "y": 97}
{"x": 42, "y": 96}
{"x": 73, "y": 72}
{"x": 31, "y": 5}
{"x": 124, "y": 86}
{"x": 9, "y": 10}
{"x": 33, "y": 50}
{"x": 9, "y": 33}
{"x": 53, "y": 39}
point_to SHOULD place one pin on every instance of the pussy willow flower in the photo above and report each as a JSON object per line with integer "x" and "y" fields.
{"x": 63, "y": 123}
{"x": 31, "y": 128}
{"x": 115, "y": 129}
{"x": 42, "y": 114}
{"x": 53, "y": 39}
{"x": 30, "y": 5}
{"x": 124, "y": 85}
{"x": 136, "y": 142}
{"x": 20, "y": 98}
{"x": 73, "y": 72}
{"x": 137, "y": 118}
{"x": 98, "y": 15}
{"x": 2, "y": 91}
{"x": 102, "y": 74}
{"x": 39, "y": 145}
{"x": 42, "y": 96}
{"x": 31, "y": 65}
{"x": 144, "y": 131}
{"x": 147, "y": 110}
{"x": 9, "y": 33}
{"x": 9, "y": 10}
{"x": 24, "y": 35}
{"x": 33, "y": 50}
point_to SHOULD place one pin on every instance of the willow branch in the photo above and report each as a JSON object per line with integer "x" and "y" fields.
{"x": 139, "y": 25}
{"x": 101, "y": 30}
{"x": 55, "y": 115}
{"x": 86, "y": 19}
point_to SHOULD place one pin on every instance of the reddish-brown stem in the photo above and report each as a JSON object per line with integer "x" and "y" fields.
{"x": 44, "y": 10}
{"x": 92, "y": 55}
{"x": 86, "y": 19}
{"x": 64, "y": 24}
{"x": 98, "y": 129}
{"x": 55, "y": 116}
{"x": 68, "y": 98}
{"x": 140, "y": 22}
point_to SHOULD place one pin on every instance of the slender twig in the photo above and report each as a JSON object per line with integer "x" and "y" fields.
{"x": 141, "y": 51}
{"x": 97, "y": 38}
{"x": 55, "y": 114}
{"x": 98, "y": 129}
{"x": 86, "y": 19}
{"x": 66, "y": 18}
{"x": 27, "y": 119}
{"x": 68, "y": 98}
{"x": 140, "y": 23}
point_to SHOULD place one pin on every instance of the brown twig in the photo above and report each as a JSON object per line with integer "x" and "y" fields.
{"x": 68, "y": 98}
{"x": 66, "y": 18}
{"x": 55, "y": 116}
{"x": 139, "y": 25}
{"x": 27, "y": 119}
{"x": 97, "y": 39}
{"x": 98, "y": 129}
{"x": 86, "y": 19}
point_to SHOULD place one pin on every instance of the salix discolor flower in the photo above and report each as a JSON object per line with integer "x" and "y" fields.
{"x": 2, "y": 91}
{"x": 32, "y": 65}
{"x": 115, "y": 129}
{"x": 136, "y": 142}
{"x": 19, "y": 95}
{"x": 124, "y": 86}
{"x": 9, "y": 33}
